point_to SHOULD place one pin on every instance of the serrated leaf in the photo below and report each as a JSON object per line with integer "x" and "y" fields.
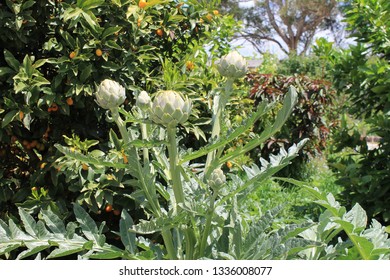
{"x": 32, "y": 251}
{"x": 65, "y": 250}
{"x": 88, "y": 159}
{"x": 128, "y": 238}
{"x": 357, "y": 217}
{"x": 261, "y": 110}
{"x": 54, "y": 223}
{"x": 17, "y": 233}
{"x": 87, "y": 224}
{"x": 28, "y": 222}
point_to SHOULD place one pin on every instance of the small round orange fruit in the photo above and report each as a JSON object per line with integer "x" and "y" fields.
{"x": 216, "y": 12}
{"x": 229, "y": 164}
{"x": 142, "y": 4}
{"x": 72, "y": 55}
{"x": 84, "y": 166}
{"x": 160, "y": 32}
{"x": 190, "y": 65}
{"x": 108, "y": 208}
{"x": 98, "y": 52}
{"x": 139, "y": 21}
{"x": 69, "y": 101}
{"x": 21, "y": 115}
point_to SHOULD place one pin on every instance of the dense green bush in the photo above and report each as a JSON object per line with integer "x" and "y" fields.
{"x": 310, "y": 119}
{"x": 362, "y": 74}
{"x": 54, "y": 53}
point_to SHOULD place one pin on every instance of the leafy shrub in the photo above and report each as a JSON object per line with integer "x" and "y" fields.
{"x": 362, "y": 74}
{"x": 54, "y": 53}
{"x": 310, "y": 118}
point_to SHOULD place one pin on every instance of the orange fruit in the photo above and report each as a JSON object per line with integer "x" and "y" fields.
{"x": 229, "y": 164}
{"x": 216, "y": 12}
{"x": 142, "y": 4}
{"x": 160, "y": 32}
{"x": 84, "y": 166}
{"x": 72, "y": 55}
{"x": 125, "y": 160}
{"x": 139, "y": 21}
{"x": 98, "y": 52}
{"x": 21, "y": 115}
{"x": 43, "y": 164}
{"x": 190, "y": 65}
{"x": 69, "y": 101}
{"x": 108, "y": 208}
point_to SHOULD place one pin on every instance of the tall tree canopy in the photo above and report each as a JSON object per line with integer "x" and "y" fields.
{"x": 291, "y": 24}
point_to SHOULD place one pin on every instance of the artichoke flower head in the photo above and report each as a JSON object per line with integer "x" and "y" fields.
{"x": 110, "y": 94}
{"x": 143, "y": 101}
{"x": 232, "y": 65}
{"x": 170, "y": 108}
{"x": 217, "y": 179}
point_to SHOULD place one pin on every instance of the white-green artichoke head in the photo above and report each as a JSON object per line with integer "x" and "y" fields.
{"x": 170, "y": 108}
{"x": 217, "y": 179}
{"x": 110, "y": 94}
{"x": 232, "y": 65}
{"x": 143, "y": 101}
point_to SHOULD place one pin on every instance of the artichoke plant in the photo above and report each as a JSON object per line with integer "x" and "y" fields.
{"x": 217, "y": 179}
{"x": 232, "y": 65}
{"x": 110, "y": 94}
{"x": 169, "y": 108}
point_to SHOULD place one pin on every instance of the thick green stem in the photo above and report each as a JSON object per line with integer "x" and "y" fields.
{"x": 173, "y": 166}
{"x": 145, "y": 151}
{"x": 168, "y": 242}
{"x": 126, "y": 136}
{"x": 207, "y": 227}
{"x": 220, "y": 102}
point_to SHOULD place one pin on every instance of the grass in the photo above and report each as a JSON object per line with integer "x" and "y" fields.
{"x": 299, "y": 205}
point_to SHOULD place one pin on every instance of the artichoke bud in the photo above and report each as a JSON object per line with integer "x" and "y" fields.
{"x": 232, "y": 65}
{"x": 217, "y": 179}
{"x": 110, "y": 94}
{"x": 143, "y": 101}
{"x": 169, "y": 108}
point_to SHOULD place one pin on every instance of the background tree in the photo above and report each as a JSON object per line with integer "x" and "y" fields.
{"x": 290, "y": 24}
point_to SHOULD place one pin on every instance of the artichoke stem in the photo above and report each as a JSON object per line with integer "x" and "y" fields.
{"x": 173, "y": 166}
{"x": 220, "y": 101}
{"x": 121, "y": 125}
{"x": 145, "y": 151}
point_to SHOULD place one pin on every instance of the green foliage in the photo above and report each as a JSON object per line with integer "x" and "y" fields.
{"x": 53, "y": 55}
{"x": 362, "y": 74}
{"x": 310, "y": 118}
{"x": 370, "y": 243}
